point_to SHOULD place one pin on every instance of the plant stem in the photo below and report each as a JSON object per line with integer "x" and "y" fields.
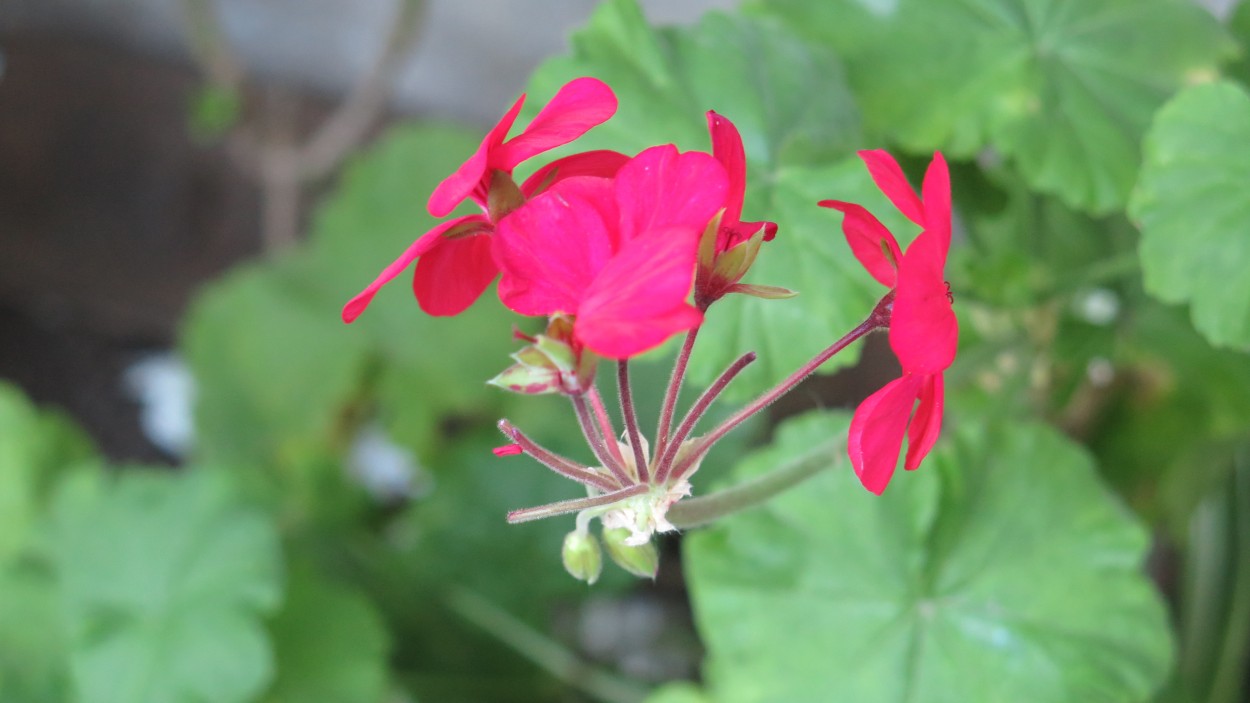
{"x": 694, "y": 512}
{"x": 547, "y": 653}
{"x": 630, "y": 416}
{"x": 595, "y": 440}
{"x": 696, "y": 413}
{"x": 875, "y": 320}
{"x": 671, "y": 393}
{"x": 565, "y": 467}
{"x": 605, "y": 426}
{"x": 576, "y": 504}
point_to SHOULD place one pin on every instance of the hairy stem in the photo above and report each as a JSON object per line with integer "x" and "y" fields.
{"x": 605, "y": 425}
{"x": 565, "y": 467}
{"x": 696, "y": 413}
{"x": 694, "y": 512}
{"x": 596, "y": 441}
{"x": 564, "y": 507}
{"x": 874, "y": 321}
{"x": 630, "y": 416}
{"x": 671, "y": 393}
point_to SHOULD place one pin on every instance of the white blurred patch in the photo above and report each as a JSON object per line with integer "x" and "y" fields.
{"x": 1098, "y": 306}
{"x": 1100, "y": 372}
{"x": 163, "y": 387}
{"x": 388, "y": 471}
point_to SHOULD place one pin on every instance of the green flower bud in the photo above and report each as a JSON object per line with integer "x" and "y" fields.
{"x": 640, "y": 560}
{"x": 582, "y": 557}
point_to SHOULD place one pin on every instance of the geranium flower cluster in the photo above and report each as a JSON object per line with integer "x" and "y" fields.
{"x": 620, "y": 253}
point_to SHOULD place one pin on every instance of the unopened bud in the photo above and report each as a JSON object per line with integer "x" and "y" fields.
{"x": 640, "y": 560}
{"x": 582, "y": 557}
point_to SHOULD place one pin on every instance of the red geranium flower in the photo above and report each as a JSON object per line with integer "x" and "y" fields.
{"x": 618, "y": 254}
{"x": 923, "y": 330}
{"x": 455, "y": 263}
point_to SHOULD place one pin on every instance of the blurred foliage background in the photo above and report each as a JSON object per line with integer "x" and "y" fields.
{"x": 313, "y": 512}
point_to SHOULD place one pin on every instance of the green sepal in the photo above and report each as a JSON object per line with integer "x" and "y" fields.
{"x": 640, "y": 560}
{"x": 504, "y": 196}
{"x": 765, "y": 292}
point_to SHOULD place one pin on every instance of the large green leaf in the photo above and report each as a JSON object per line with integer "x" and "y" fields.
{"x": 798, "y": 124}
{"x": 34, "y": 652}
{"x": 1194, "y": 212}
{"x": 1065, "y": 89}
{"x": 162, "y": 581}
{"x": 330, "y": 646}
{"x": 1001, "y": 570}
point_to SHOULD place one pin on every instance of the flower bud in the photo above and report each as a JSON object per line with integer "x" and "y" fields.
{"x": 640, "y": 560}
{"x": 582, "y": 557}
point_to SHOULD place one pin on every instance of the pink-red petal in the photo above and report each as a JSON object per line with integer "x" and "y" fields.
{"x": 661, "y": 189}
{"x": 449, "y": 278}
{"x": 727, "y": 148}
{"x": 639, "y": 298}
{"x": 869, "y": 240}
{"x": 889, "y": 177}
{"x": 937, "y": 203}
{"x": 923, "y": 330}
{"x": 579, "y": 105}
{"x": 421, "y": 246}
{"x": 926, "y": 424}
{"x": 876, "y": 435}
{"x": 551, "y": 249}
{"x": 602, "y": 163}
{"x": 473, "y": 175}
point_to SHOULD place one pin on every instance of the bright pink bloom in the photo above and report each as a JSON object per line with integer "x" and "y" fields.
{"x": 455, "y": 264}
{"x": 618, "y": 254}
{"x": 924, "y": 333}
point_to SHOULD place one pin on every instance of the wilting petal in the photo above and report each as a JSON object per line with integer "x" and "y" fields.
{"x": 602, "y": 163}
{"x": 870, "y": 241}
{"x": 551, "y": 248}
{"x": 472, "y": 173}
{"x": 662, "y": 189}
{"x": 923, "y": 431}
{"x": 424, "y": 244}
{"x": 877, "y": 429}
{"x": 923, "y": 330}
{"x": 937, "y": 204}
{"x": 889, "y": 177}
{"x": 450, "y": 277}
{"x": 579, "y": 105}
{"x": 639, "y": 299}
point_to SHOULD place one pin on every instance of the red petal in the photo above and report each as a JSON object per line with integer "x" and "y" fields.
{"x": 449, "y": 278}
{"x": 923, "y": 330}
{"x": 553, "y": 247}
{"x": 507, "y": 450}
{"x": 877, "y": 430}
{"x": 423, "y": 245}
{"x": 662, "y": 189}
{"x": 870, "y": 241}
{"x": 603, "y": 163}
{"x": 639, "y": 299}
{"x": 927, "y": 423}
{"x": 937, "y": 203}
{"x": 727, "y": 148}
{"x": 474, "y": 172}
{"x": 581, "y": 104}
{"x": 889, "y": 177}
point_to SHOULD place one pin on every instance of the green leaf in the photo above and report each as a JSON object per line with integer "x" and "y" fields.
{"x": 35, "y": 447}
{"x": 34, "y": 652}
{"x": 1063, "y": 89}
{"x": 162, "y": 582}
{"x": 1192, "y": 207}
{"x": 330, "y": 646}
{"x": 1001, "y": 570}
{"x": 761, "y": 77}
{"x": 678, "y": 693}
